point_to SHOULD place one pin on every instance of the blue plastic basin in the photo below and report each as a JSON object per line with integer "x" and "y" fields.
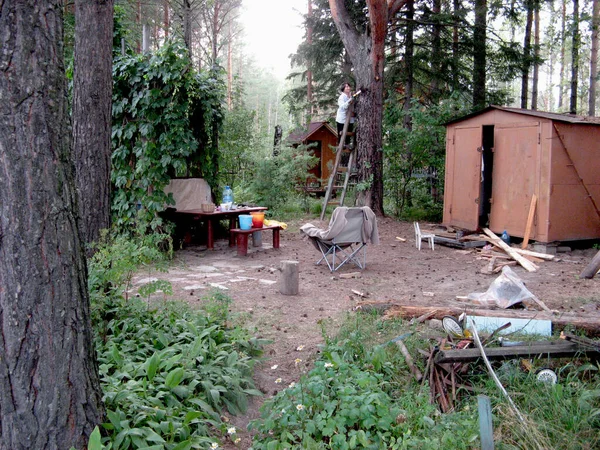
{"x": 245, "y": 221}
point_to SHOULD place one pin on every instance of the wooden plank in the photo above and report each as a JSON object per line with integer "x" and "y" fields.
{"x": 589, "y": 322}
{"x": 529, "y": 221}
{"x": 550, "y": 350}
{"x": 456, "y": 243}
{"x": 527, "y": 265}
{"x": 580, "y": 340}
{"x": 544, "y": 256}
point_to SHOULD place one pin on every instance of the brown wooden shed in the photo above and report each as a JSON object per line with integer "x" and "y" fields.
{"x": 324, "y": 136}
{"x": 499, "y": 158}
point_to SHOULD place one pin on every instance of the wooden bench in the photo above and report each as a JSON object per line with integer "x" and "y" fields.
{"x": 241, "y": 237}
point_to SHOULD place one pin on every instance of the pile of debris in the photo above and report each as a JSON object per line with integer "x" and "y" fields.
{"x": 450, "y": 360}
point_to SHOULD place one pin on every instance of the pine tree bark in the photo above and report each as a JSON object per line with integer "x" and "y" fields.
{"x": 409, "y": 49}
{"x": 526, "y": 55}
{"x": 574, "y": 58}
{"x": 366, "y": 51}
{"x": 594, "y": 57}
{"x": 479, "y": 54}
{"x": 536, "y": 54}
{"x": 436, "y": 54}
{"x": 563, "y": 39}
{"x": 187, "y": 26}
{"x": 455, "y": 49}
{"x": 166, "y": 22}
{"x": 92, "y": 114}
{"x": 49, "y": 389}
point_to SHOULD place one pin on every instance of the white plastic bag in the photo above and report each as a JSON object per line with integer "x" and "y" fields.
{"x": 504, "y": 292}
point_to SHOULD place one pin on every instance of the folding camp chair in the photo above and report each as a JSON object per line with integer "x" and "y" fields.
{"x": 345, "y": 240}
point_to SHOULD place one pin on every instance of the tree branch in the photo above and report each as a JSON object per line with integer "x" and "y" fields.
{"x": 394, "y": 6}
{"x": 345, "y": 26}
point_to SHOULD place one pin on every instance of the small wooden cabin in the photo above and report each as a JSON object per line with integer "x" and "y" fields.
{"x": 324, "y": 137}
{"x": 499, "y": 158}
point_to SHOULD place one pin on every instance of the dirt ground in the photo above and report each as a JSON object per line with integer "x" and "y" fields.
{"x": 395, "y": 271}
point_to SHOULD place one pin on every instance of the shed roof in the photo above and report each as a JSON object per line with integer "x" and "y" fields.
{"x": 302, "y": 135}
{"x": 569, "y": 118}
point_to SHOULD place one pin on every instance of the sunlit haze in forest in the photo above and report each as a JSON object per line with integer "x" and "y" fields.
{"x": 273, "y": 30}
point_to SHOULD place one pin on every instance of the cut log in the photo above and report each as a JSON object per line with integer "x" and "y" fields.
{"x": 592, "y": 268}
{"x": 529, "y": 221}
{"x": 289, "y": 278}
{"x": 587, "y": 321}
{"x": 527, "y": 265}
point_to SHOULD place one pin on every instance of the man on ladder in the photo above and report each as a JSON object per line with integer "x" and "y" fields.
{"x": 344, "y": 101}
{"x": 345, "y": 115}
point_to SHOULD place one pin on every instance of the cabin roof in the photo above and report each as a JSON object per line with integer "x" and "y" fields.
{"x": 568, "y": 118}
{"x": 301, "y": 135}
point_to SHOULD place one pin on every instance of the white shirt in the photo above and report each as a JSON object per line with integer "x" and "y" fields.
{"x": 343, "y": 104}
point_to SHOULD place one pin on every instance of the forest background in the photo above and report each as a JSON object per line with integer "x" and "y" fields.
{"x": 442, "y": 60}
{"x": 175, "y": 95}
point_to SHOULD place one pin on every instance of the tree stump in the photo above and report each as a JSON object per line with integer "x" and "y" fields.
{"x": 592, "y": 268}
{"x": 289, "y": 277}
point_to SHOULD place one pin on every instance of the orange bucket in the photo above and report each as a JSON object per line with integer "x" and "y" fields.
{"x": 257, "y": 219}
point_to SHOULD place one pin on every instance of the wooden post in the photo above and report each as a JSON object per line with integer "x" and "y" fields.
{"x": 529, "y": 222}
{"x": 486, "y": 431}
{"x": 289, "y": 278}
{"x": 592, "y": 268}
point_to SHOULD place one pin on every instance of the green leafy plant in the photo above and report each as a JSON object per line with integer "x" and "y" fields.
{"x": 167, "y": 373}
{"x": 356, "y": 397}
{"x": 165, "y": 115}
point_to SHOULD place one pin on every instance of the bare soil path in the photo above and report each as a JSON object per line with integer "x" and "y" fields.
{"x": 395, "y": 271}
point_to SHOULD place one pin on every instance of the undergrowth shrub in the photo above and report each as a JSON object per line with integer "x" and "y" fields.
{"x": 358, "y": 397}
{"x": 167, "y": 373}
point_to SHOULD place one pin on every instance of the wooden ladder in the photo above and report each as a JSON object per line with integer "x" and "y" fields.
{"x": 337, "y": 170}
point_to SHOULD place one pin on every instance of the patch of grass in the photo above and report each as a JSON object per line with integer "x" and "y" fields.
{"x": 361, "y": 394}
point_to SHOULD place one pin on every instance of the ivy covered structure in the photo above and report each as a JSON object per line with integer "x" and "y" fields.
{"x": 166, "y": 121}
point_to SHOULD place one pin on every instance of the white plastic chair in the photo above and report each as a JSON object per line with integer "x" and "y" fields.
{"x": 419, "y": 236}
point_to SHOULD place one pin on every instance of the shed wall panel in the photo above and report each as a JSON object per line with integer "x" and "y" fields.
{"x": 514, "y": 177}
{"x": 463, "y": 178}
{"x": 529, "y": 158}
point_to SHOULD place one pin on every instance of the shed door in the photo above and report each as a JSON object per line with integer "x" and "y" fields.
{"x": 465, "y": 176}
{"x": 515, "y": 174}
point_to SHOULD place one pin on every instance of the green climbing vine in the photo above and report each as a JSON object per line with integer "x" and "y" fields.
{"x": 166, "y": 117}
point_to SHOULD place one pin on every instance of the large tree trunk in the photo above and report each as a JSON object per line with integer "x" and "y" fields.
{"x": 575, "y": 58}
{"x": 479, "y": 54}
{"x": 594, "y": 57}
{"x": 455, "y": 48}
{"x": 187, "y": 26}
{"x": 92, "y": 100}
{"x": 526, "y": 55}
{"x": 366, "y": 50}
{"x": 536, "y": 53}
{"x": 49, "y": 389}
{"x": 563, "y": 39}
{"x": 409, "y": 50}
{"x": 309, "y": 80}
{"x": 436, "y": 55}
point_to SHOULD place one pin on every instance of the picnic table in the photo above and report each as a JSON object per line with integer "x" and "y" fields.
{"x": 210, "y": 218}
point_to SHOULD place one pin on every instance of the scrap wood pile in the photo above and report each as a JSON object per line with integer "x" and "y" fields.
{"x": 450, "y": 361}
{"x": 500, "y": 254}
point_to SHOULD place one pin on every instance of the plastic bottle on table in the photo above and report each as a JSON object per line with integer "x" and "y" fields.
{"x": 227, "y": 195}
